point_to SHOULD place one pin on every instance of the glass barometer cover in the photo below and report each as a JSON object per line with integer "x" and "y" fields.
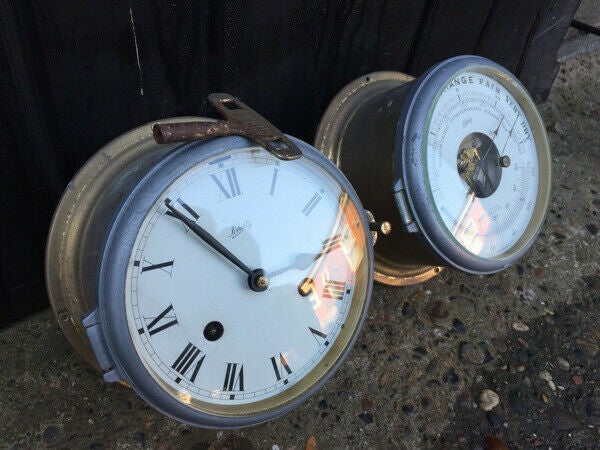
{"x": 472, "y": 164}
{"x": 185, "y": 326}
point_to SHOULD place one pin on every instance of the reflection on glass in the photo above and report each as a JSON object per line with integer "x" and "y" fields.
{"x": 184, "y": 397}
{"x": 308, "y": 237}
{"x": 472, "y": 225}
{"x": 324, "y": 283}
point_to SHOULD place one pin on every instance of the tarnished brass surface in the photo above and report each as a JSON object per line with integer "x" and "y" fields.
{"x": 357, "y": 133}
{"x": 83, "y": 220}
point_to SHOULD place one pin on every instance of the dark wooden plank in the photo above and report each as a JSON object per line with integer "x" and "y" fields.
{"x": 310, "y": 48}
{"x": 398, "y": 33}
{"x": 138, "y": 61}
{"x": 22, "y": 236}
{"x": 92, "y": 75}
{"x": 91, "y": 61}
{"x": 173, "y": 39}
{"x": 379, "y": 35}
{"x": 331, "y": 53}
{"x": 361, "y": 37}
{"x": 538, "y": 67}
{"x": 73, "y": 77}
{"x": 269, "y": 59}
{"x": 26, "y": 100}
{"x": 450, "y": 28}
{"x": 512, "y": 21}
{"x": 30, "y": 181}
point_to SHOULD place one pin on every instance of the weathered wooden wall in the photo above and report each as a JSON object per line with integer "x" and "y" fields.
{"x": 75, "y": 74}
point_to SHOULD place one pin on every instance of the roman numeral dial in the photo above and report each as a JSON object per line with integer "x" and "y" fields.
{"x": 312, "y": 202}
{"x": 166, "y": 266}
{"x": 185, "y": 206}
{"x": 274, "y": 179}
{"x": 332, "y": 243}
{"x": 188, "y": 363}
{"x": 166, "y": 319}
{"x": 280, "y": 367}
{"x": 334, "y": 290}
{"x": 227, "y": 182}
{"x": 319, "y": 336}
{"x": 234, "y": 378}
{"x": 205, "y": 332}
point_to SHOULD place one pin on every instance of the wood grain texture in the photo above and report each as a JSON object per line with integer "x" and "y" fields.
{"x": 538, "y": 67}
{"x": 75, "y": 75}
{"x": 361, "y": 37}
{"x": 450, "y": 28}
{"x": 506, "y": 31}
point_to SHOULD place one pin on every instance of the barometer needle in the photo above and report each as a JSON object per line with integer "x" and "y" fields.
{"x": 482, "y": 159}
{"x": 491, "y": 144}
{"x": 509, "y": 135}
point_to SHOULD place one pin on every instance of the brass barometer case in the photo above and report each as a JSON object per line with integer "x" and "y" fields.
{"x": 458, "y": 160}
{"x": 221, "y": 269}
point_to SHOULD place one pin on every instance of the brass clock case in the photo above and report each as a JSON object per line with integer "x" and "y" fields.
{"x": 357, "y": 132}
{"x": 81, "y": 223}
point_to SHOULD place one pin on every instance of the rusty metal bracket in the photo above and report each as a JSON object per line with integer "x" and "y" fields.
{"x": 239, "y": 120}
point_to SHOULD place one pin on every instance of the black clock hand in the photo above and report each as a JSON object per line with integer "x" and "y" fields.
{"x": 256, "y": 278}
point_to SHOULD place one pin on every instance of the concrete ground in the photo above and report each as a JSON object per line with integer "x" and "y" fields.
{"x": 531, "y": 334}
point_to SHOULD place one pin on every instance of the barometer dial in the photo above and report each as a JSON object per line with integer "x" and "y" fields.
{"x": 482, "y": 164}
{"x": 474, "y": 161}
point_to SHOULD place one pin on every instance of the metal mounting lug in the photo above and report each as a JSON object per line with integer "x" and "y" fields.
{"x": 383, "y": 227}
{"x": 93, "y": 328}
{"x": 408, "y": 221}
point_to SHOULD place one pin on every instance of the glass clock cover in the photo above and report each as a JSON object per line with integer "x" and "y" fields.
{"x": 473, "y": 157}
{"x": 186, "y": 329}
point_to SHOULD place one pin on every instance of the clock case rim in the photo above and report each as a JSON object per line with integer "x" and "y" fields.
{"x": 111, "y": 305}
{"x": 410, "y": 163}
{"x": 82, "y": 221}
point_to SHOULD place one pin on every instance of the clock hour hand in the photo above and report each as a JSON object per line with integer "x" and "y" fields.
{"x": 304, "y": 260}
{"x": 256, "y": 278}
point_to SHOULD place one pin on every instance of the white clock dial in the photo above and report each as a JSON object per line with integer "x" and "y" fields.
{"x": 201, "y": 332}
{"x": 482, "y": 164}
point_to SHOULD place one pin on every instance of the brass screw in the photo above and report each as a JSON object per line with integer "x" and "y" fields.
{"x": 306, "y": 287}
{"x": 386, "y": 227}
{"x": 262, "y": 282}
{"x": 504, "y": 161}
{"x": 381, "y": 227}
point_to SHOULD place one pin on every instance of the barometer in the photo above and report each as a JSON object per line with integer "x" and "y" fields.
{"x": 457, "y": 159}
{"x": 219, "y": 268}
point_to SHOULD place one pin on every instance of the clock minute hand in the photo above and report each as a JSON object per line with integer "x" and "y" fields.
{"x": 256, "y": 278}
